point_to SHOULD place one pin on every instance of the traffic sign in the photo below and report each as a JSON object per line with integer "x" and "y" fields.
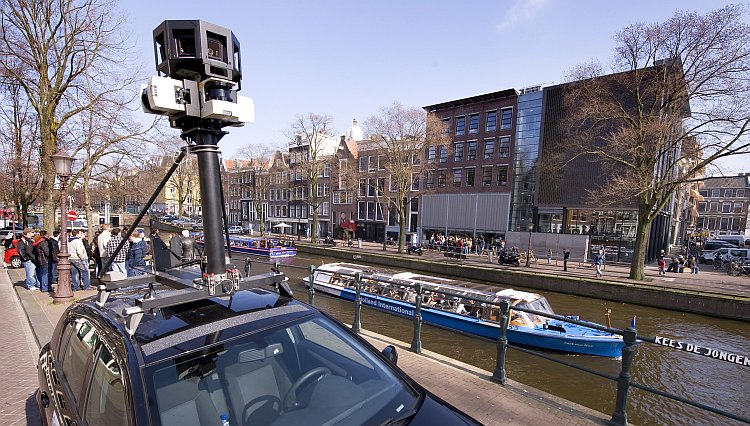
{"x": 72, "y": 215}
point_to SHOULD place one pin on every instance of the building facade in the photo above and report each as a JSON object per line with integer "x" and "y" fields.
{"x": 724, "y": 208}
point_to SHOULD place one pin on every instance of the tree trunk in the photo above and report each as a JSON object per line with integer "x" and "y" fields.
{"x": 641, "y": 242}
{"x": 87, "y": 207}
{"x": 314, "y": 230}
{"x": 401, "y": 227}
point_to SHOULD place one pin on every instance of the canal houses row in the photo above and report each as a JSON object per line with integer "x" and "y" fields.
{"x": 485, "y": 180}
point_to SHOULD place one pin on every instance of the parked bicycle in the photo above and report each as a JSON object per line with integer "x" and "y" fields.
{"x": 522, "y": 256}
{"x": 739, "y": 267}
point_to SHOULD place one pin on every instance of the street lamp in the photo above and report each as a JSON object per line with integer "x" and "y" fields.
{"x": 528, "y": 248}
{"x": 63, "y": 168}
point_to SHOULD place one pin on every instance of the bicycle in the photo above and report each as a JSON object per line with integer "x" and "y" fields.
{"x": 522, "y": 256}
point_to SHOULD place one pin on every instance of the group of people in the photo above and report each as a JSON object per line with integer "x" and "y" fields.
{"x": 130, "y": 260}
{"x": 39, "y": 255}
{"x": 677, "y": 264}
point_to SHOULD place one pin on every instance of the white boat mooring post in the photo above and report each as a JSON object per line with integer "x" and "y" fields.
{"x": 357, "y": 325}
{"x": 629, "y": 335}
{"x": 416, "y": 343}
{"x": 311, "y": 290}
{"x": 502, "y": 344}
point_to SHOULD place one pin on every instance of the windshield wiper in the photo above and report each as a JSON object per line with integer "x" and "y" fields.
{"x": 406, "y": 415}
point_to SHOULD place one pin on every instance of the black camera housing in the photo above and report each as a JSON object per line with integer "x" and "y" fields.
{"x": 197, "y": 50}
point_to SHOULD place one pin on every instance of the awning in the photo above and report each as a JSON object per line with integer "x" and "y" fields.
{"x": 695, "y": 194}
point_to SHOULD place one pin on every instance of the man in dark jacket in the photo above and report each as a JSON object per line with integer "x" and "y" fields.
{"x": 43, "y": 255}
{"x": 25, "y": 247}
{"x": 54, "y": 243}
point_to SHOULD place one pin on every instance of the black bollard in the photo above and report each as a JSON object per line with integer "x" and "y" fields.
{"x": 357, "y": 303}
{"x": 620, "y": 417}
{"x": 416, "y": 343}
{"x": 502, "y": 344}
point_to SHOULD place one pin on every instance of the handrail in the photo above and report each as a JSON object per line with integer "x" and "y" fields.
{"x": 630, "y": 337}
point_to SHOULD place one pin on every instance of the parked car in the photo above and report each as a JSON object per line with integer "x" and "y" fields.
{"x": 727, "y": 254}
{"x": 11, "y": 255}
{"x": 709, "y": 247}
{"x": 259, "y": 357}
{"x": 738, "y": 240}
{"x": 235, "y": 229}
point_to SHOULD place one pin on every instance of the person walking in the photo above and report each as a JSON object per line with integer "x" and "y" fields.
{"x": 566, "y": 256}
{"x": 549, "y": 256}
{"x": 136, "y": 255}
{"x": 79, "y": 262}
{"x": 101, "y": 243}
{"x": 25, "y": 247}
{"x": 599, "y": 263}
{"x": 43, "y": 256}
{"x": 118, "y": 264}
{"x": 661, "y": 264}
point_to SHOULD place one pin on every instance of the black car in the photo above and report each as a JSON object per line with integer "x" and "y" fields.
{"x": 253, "y": 357}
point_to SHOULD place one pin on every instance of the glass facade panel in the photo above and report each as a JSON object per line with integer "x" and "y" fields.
{"x": 526, "y": 152}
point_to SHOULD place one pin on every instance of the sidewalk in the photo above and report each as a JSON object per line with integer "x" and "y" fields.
{"x": 706, "y": 281}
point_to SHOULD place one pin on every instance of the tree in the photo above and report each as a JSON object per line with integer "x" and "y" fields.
{"x": 63, "y": 42}
{"x": 259, "y": 158}
{"x": 312, "y": 147}
{"x": 677, "y": 102}
{"x": 404, "y": 136}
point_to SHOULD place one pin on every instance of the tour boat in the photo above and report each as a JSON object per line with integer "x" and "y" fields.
{"x": 259, "y": 246}
{"x": 393, "y": 293}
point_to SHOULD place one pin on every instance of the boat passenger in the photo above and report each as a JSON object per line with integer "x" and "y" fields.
{"x": 461, "y": 309}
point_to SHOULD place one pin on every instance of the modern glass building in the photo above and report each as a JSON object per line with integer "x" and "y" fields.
{"x": 525, "y": 158}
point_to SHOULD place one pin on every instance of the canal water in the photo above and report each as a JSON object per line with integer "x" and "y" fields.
{"x": 715, "y": 383}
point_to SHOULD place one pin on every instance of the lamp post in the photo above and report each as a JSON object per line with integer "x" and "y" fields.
{"x": 63, "y": 166}
{"x": 528, "y": 248}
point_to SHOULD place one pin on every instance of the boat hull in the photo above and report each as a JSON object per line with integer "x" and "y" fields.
{"x": 603, "y": 345}
{"x": 273, "y": 253}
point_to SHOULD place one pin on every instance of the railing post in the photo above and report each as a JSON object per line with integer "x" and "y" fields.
{"x": 416, "y": 343}
{"x": 620, "y": 417}
{"x": 311, "y": 290}
{"x": 502, "y": 344}
{"x": 357, "y": 325}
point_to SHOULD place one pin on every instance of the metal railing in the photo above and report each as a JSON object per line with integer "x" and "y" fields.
{"x": 623, "y": 379}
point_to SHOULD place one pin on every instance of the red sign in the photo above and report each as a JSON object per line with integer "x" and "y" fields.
{"x": 72, "y": 215}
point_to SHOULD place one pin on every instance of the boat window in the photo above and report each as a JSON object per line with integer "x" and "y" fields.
{"x": 324, "y": 278}
{"x": 542, "y": 305}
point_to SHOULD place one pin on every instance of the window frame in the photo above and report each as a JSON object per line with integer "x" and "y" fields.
{"x": 458, "y": 151}
{"x": 473, "y": 123}
{"x": 487, "y": 126}
{"x": 489, "y": 155}
{"x": 509, "y": 124}
{"x": 460, "y": 125}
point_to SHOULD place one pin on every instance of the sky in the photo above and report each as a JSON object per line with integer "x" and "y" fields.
{"x": 350, "y": 58}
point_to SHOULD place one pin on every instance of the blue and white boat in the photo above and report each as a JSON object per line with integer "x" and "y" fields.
{"x": 392, "y": 292}
{"x": 259, "y": 246}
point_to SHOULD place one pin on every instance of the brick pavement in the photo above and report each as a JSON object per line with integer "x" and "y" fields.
{"x": 463, "y": 385}
{"x": 17, "y": 361}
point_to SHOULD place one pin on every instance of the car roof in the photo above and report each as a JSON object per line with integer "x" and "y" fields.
{"x": 174, "y": 330}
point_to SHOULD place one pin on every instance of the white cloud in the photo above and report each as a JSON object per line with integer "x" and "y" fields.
{"x": 520, "y": 11}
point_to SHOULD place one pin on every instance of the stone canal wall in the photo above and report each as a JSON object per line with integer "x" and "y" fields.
{"x": 657, "y": 296}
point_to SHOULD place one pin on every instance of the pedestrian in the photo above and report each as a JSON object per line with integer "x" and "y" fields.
{"x": 95, "y": 255}
{"x": 25, "y": 247}
{"x": 136, "y": 255}
{"x": 661, "y": 264}
{"x": 175, "y": 247}
{"x": 55, "y": 247}
{"x": 549, "y": 256}
{"x": 43, "y": 256}
{"x": 566, "y": 256}
{"x": 118, "y": 263}
{"x": 694, "y": 265}
{"x": 101, "y": 242}
{"x": 79, "y": 262}
{"x": 599, "y": 263}
{"x": 187, "y": 245}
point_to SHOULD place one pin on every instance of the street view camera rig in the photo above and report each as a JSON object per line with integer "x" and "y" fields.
{"x": 199, "y": 77}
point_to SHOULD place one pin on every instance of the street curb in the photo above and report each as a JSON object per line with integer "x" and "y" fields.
{"x": 40, "y": 326}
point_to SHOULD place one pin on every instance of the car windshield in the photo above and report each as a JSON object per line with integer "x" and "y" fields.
{"x": 309, "y": 372}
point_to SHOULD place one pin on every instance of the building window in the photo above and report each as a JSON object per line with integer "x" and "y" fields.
{"x": 363, "y": 164}
{"x": 458, "y": 151}
{"x": 502, "y": 175}
{"x": 457, "y": 173}
{"x": 715, "y": 193}
{"x": 381, "y": 185}
{"x": 373, "y": 163}
{"x": 325, "y": 208}
{"x": 471, "y": 151}
{"x": 491, "y": 121}
{"x": 737, "y": 207}
{"x": 362, "y": 187}
{"x": 727, "y": 193}
{"x": 714, "y": 207}
{"x": 474, "y": 123}
{"x": 446, "y": 125}
{"x": 470, "y": 176}
{"x": 726, "y": 207}
{"x": 486, "y": 176}
{"x": 415, "y": 182}
{"x": 701, "y": 207}
{"x": 361, "y": 210}
{"x": 441, "y": 178}
{"x": 430, "y": 178}
{"x": 370, "y": 210}
{"x": 443, "y": 154}
{"x": 740, "y": 193}
{"x": 489, "y": 148}
{"x": 724, "y": 224}
{"x": 460, "y": 125}
{"x": 431, "y": 154}
{"x": 371, "y": 187}
{"x": 506, "y": 118}
{"x": 504, "y": 147}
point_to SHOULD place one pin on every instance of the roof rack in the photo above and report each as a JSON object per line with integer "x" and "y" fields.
{"x": 188, "y": 285}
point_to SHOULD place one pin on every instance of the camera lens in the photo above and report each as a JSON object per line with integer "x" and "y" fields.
{"x": 219, "y": 92}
